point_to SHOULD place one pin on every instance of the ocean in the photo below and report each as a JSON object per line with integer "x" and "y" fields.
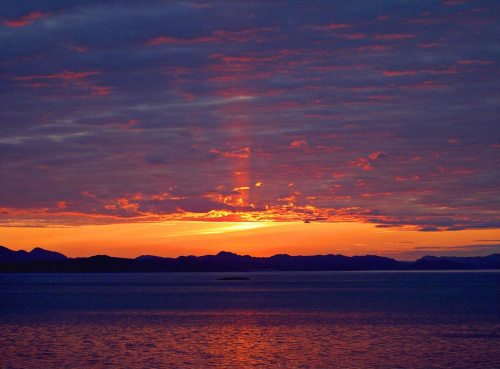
{"x": 272, "y": 320}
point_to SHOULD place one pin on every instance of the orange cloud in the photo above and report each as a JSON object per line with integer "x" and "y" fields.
{"x": 241, "y": 153}
{"x": 301, "y": 143}
{"x": 241, "y": 188}
{"x": 379, "y": 155}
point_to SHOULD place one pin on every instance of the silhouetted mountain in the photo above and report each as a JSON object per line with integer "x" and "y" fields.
{"x": 39, "y": 260}
{"x": 40, "y": 254}
{"x": 148, "y": 257}
{"x": 453, "y": 262}
{"x": 438, "y": 264}
{"x": 9, "y": 256}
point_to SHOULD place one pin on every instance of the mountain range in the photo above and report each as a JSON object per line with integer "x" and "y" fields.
{"x": 44, "y": 261}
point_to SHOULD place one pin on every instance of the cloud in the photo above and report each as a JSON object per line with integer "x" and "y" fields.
{"x": 379, "y": 155}
{"x": 141, "y": 98}
{"x": 301, "y": 143}
{"x": 332, "y": 26}
{"x": 451, "y": 251}
{"x": 67, "y": 75}
{"x": 429, "y": 229}
{"x": 394, "y": 36}
{"x": 25, "y": 20}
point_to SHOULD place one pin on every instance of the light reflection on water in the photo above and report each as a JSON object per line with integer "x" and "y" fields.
{"x": 275, "y": 320}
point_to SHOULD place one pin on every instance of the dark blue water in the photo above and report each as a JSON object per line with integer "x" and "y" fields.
{"x": 274, "y": 319}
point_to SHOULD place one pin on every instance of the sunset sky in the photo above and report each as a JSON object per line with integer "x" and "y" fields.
{"x": 257, "y": 127}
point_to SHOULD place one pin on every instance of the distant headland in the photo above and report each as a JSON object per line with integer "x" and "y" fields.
{"x": 43, "y": 261}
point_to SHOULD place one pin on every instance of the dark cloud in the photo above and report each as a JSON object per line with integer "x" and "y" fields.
{"x": 382, "y": 112}
{"x": 429, "y": 229}
{"x": 453, "y": 251}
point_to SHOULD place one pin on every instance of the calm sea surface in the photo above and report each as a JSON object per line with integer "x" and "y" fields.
{"x": 272, "y": 320}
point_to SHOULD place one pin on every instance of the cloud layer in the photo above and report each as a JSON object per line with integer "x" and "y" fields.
{"x": 118, "y": 111}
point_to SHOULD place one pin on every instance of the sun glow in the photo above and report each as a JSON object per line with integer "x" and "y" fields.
{"x": 220, "y": 228}
{"x": 176, "y": 238}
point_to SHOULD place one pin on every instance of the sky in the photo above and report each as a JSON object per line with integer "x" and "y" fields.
{"x": 258, "y": 127}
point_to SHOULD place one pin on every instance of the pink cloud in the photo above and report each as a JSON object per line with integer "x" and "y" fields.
{"x": 27, "y": 19}
{"x": 242, "y": 36}
{"x": 332, "y": 26}
{"x": 400, "y": 73}
{"x": 428, "y": 21}
{"x": 375, "y": 47}
{"x": 454, "y": 2}
{"x": 175, "y": 40}
{"x": 430, "y": 44}
{"x": 355, "y": 36}
{"x": 381, "y": 97}
{"x": 383, "y": 17}
{"x": 462, "y": 171}
{"x": 80, "y": 49}
{"x": 394, "y": 36}
{"x": 431, "y": 85}
{"x": 100, "y": 90}
{"x": 63, "y": 75}
{"x": 474, "y": 61}
{"x": 199, "y": 6}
